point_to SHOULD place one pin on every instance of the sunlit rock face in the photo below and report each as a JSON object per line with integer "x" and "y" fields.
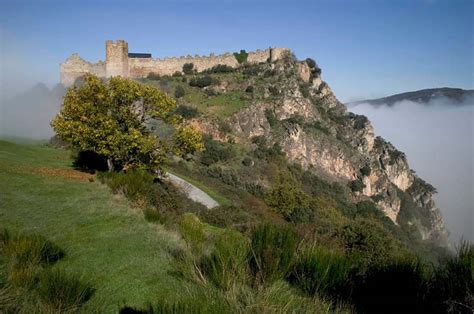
{"x": 320, "y": 135}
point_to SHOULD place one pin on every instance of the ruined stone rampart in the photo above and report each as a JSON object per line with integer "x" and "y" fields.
{"x": 119, "y": 63}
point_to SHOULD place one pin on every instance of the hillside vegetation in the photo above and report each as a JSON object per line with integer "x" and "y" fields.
{"x": 316, "y": 214}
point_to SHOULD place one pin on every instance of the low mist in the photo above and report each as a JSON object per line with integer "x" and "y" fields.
{"x": 438, "y": 140}
{"x": 29, "y": 113}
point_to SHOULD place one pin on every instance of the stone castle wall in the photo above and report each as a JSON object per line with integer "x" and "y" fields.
{"x": 118, "y": 63}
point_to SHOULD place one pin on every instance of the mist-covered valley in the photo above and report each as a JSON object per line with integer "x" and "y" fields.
{"x": 437, "y": 137}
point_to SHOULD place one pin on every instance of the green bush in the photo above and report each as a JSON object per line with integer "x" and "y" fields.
{"x": 321, "y": 271}
{"x": 225, "y": 266}
{"x": 249, "y": 89}
{"x": 241, "y": 56}
{"x": 271, "y": 117}
{"x": 304, "y": 89}
{"x": 201, "y": 81}
{"x": 135, "y": 185}
{"x": 220, "y": 68}
{"x": 451, "y": 289}
{"x": 272, "y": 252}
{"x": 287, "y": 198}
{"x": 153, "y": 76}
{"x": 216, "y": 151}
{"x": 188, "y": 68}
{"x": 63, "y": 292}
{"x": 177, "y": 74}
{"x": 187, "y": 112}
{"x": 357, "y": 185}
{"x": 179, "y": 92}
{"x": 365, "y": 171}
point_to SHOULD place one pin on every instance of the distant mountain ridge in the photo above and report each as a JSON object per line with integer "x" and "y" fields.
{"x": 456, "y": 95}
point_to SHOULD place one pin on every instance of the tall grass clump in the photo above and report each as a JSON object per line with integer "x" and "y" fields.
{"x": 226, "y": 267}
{"x": 272, "y": 251}
{"x": 135, "y": 185}
{"x": 452, "y": 285}
{"x": 322, "y": 271}
{"x": 26, "y": 255}
{"x": 63, "y": 292}
{"x": 393, "y": 287}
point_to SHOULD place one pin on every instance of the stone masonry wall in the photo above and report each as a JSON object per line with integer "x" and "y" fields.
{"x": 118, "y": 63}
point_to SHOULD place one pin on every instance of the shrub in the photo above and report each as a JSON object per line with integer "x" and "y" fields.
{"x": 287, "y": 198}
{"x": 63, "y": 292}
{"x": 321, "y": 271}
{"x": 241, "y": 56}
{"x": 187, "y": 112}
{"x": 274, "y": 91}
{"x": 396, "y": 287}
{"x": 179, "y": 92}
{"x": 201, "y": 81}
{"x": 365, "y": 171}
{"x": 451, "y": 289}
{"x": 224, "y": 127}
{"x": 188, "y": 68}
{"x": 271, "y": 118}
{"x": 220, "y": 68}
{"x": 304, "y": 89}
{"x": 135, "y": 185}
{"x": 153, "y": 76}
{"x": 225, "y": 266}
{"x": 216, "y": 151}
{"x": 360, "y": 122}
{"x": 370, "y": 241}
{"x": 311, "y": 63}
{"x": 272, "y": 252}
{"x": 357, "y": 185}
{"x": 249, "y": 89}
{"x": 315, "y": 70}
{"x": 177, "y": 74}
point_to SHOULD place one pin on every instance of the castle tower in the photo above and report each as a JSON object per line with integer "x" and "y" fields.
{"x": 116, "y": 58}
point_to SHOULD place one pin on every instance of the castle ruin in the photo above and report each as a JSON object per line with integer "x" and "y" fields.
{"x": 119, "y": 62}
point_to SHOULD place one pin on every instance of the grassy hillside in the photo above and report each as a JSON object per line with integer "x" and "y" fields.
{"x": 106, "y": 240}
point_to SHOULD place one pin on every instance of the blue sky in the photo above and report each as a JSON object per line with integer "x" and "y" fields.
{"x": 365, "y": 48}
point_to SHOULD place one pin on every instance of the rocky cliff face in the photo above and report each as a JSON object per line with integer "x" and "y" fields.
{"x": 297, "y": 110}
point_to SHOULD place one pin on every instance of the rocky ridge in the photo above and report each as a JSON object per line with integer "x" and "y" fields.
{"x": 320, "y": 135}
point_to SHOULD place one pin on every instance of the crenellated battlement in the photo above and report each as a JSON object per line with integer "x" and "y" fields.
{"x": 118, "y": 61}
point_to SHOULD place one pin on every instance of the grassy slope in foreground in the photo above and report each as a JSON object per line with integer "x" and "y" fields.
{"x": 105, "y": 239}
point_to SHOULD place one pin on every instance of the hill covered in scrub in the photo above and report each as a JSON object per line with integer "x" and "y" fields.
{"x": 278, "y": 137}
{"x": 456, "y": 96}
{"x": 315, "y": 214}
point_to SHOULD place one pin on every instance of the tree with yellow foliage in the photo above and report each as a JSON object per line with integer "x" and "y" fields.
{"x": 111, "y": 118}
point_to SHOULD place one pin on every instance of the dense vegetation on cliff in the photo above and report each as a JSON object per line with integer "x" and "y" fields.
{"x": 316, "y": 213}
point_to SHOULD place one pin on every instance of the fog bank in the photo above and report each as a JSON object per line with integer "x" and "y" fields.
{"x": 438, "y": 138}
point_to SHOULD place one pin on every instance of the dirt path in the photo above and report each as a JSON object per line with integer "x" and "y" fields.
{"x": 193, "y": 192}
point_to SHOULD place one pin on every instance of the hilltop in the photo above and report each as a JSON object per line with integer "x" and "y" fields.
{"x": 456, "y": 96}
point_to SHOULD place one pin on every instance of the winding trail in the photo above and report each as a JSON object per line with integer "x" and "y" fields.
{"x": 193, "y": 192}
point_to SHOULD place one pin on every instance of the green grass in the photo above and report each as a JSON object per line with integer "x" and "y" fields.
{"x": 106, "y": 241}
{"x": 222, "y": 200}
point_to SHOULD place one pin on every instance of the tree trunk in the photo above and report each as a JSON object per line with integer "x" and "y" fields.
{"x": 110, "y": 165}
